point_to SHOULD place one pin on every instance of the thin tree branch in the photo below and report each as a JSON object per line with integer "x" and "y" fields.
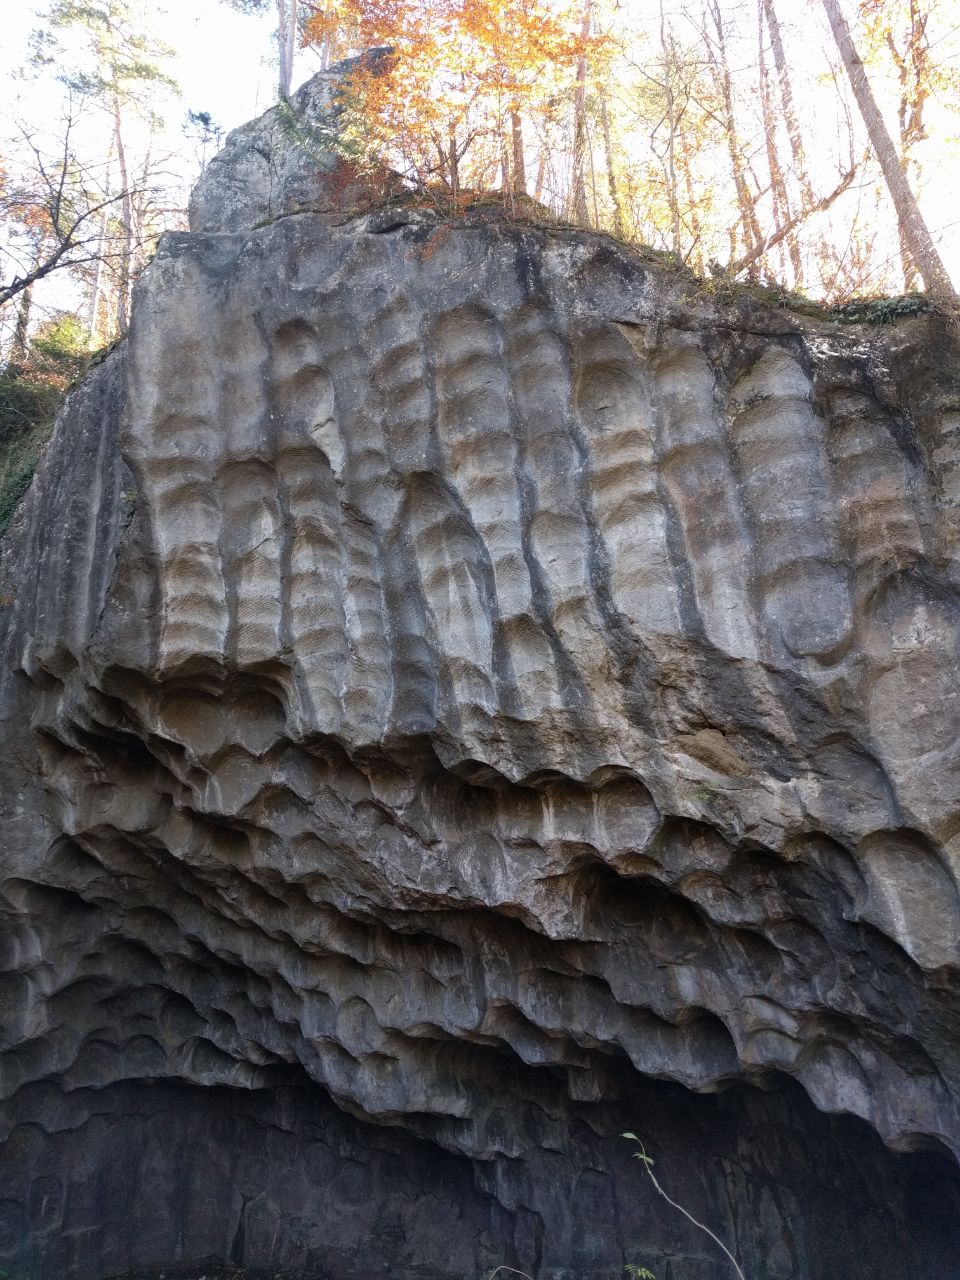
{"x": 771, "y": 241}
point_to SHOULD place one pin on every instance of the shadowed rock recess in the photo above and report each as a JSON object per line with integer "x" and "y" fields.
{"x": 468, "y": 692}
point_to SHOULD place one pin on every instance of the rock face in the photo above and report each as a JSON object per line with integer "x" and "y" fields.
{"x": 283, "y": 162}
{"x": 469, "y": 691}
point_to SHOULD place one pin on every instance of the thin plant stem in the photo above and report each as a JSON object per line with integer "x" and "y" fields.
{"x": 648, "y": 1165}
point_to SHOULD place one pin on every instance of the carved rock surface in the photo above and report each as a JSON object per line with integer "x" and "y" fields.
{"x": 468, "y": 692}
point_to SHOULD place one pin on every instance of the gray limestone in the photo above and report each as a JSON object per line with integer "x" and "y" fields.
{"x": 468, "y": 691}
{"x": 287, "y": 160}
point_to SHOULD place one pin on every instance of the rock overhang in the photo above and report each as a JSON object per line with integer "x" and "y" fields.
{"x": 474, "y": 645}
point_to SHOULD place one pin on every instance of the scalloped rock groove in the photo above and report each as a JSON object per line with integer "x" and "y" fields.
{"x": 467, "y": 692}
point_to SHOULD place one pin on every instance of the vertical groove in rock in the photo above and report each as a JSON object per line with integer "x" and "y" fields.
{"x": 467, "y": 694}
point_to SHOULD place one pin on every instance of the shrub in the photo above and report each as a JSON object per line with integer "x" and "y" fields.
{"x": 30, "y": 394}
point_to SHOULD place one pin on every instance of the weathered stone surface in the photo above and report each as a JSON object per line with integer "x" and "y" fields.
{"x": 285, "y": 161}
{"x": 472, "y": 675}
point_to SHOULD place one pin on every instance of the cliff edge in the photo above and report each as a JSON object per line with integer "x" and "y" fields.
{"x": 469, "y": 690}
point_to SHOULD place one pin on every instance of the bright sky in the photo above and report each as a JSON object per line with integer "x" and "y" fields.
{"x": 225, "y": 64}
{"x": 224, "y": 60}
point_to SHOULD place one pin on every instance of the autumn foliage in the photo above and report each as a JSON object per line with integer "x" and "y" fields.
{"x": 462, "y": 90}
{"x": 733, "y": 137}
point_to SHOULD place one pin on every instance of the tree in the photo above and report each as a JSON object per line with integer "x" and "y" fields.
{"x": 52, "y": 211}
{"x": 787, "y": 100}
{"x": 459, "y": 81}
{"x": 915, "y": 234}
{"x": 716, "y": 43}
{"x": 901, "y": 30}
{"x": 32, "y": 384}
{"x": 613, "y": 183}
{"x": 121, "y": 70}
{"x": 801, "y": 170}
{"x": 671, "y": 100}
{"x": 201, "y": 126}
{"x": 519, "y": 50}
{"x": 578, "y": 195}
{"x": 287, "y": 34}
{"x": 676, "y": 125}
{"x": 669, "y": 118}
{"x": 290, "y": 20}
{"x": 780, "y": 196}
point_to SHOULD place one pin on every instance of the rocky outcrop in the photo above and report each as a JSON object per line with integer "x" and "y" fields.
{"x": 289, "y": 159}
{"x": 470, "y": 691}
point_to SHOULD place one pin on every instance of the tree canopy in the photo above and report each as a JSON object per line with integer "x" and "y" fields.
{"x": 806, "y": 146}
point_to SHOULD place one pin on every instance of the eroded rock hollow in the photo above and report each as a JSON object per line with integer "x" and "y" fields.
{"x": 468, "y": 691}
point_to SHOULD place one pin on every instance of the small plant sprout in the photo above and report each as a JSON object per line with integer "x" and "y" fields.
{"x": 647, "y": 1163}
{"x": 639, "y": 1273}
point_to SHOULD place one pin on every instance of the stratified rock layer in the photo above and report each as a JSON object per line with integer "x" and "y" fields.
{"x": 470, "y": 692}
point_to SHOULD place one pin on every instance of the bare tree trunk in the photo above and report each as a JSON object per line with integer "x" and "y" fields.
{"x": 780, "y": 198}
{"x": 329, "y": 38}
{"x": 126, "y": 222}
{"x": 283, "y": 82}
{"x": 506, "y": 179}
{"x": 541, "y": 174}
{"x": 745, "y": 203}
{"x": 20, "y": 344}
{"x": 519, "y": 164}
{"x": 672, "y": 193}
{"x": 786, "y": 99}
{"x": 913, "y": 228}
{"x": 140, "y": 208}
{"x": 453, "y": 163}
{"x": 287, "y": 41}
{"x": 578, "y": 194}
{"x": 911, "y": 275}
{"x": 593, "y": 180}
{"x": 291, "y": 41}
{"x": 696, "y": 253}
{"x": 773, "y": 240}
{"x": 93, "y": 327}
{"x": 826, "y": 257}
{"x": 619, "y": 225}
{"x": 912, "y": 71}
